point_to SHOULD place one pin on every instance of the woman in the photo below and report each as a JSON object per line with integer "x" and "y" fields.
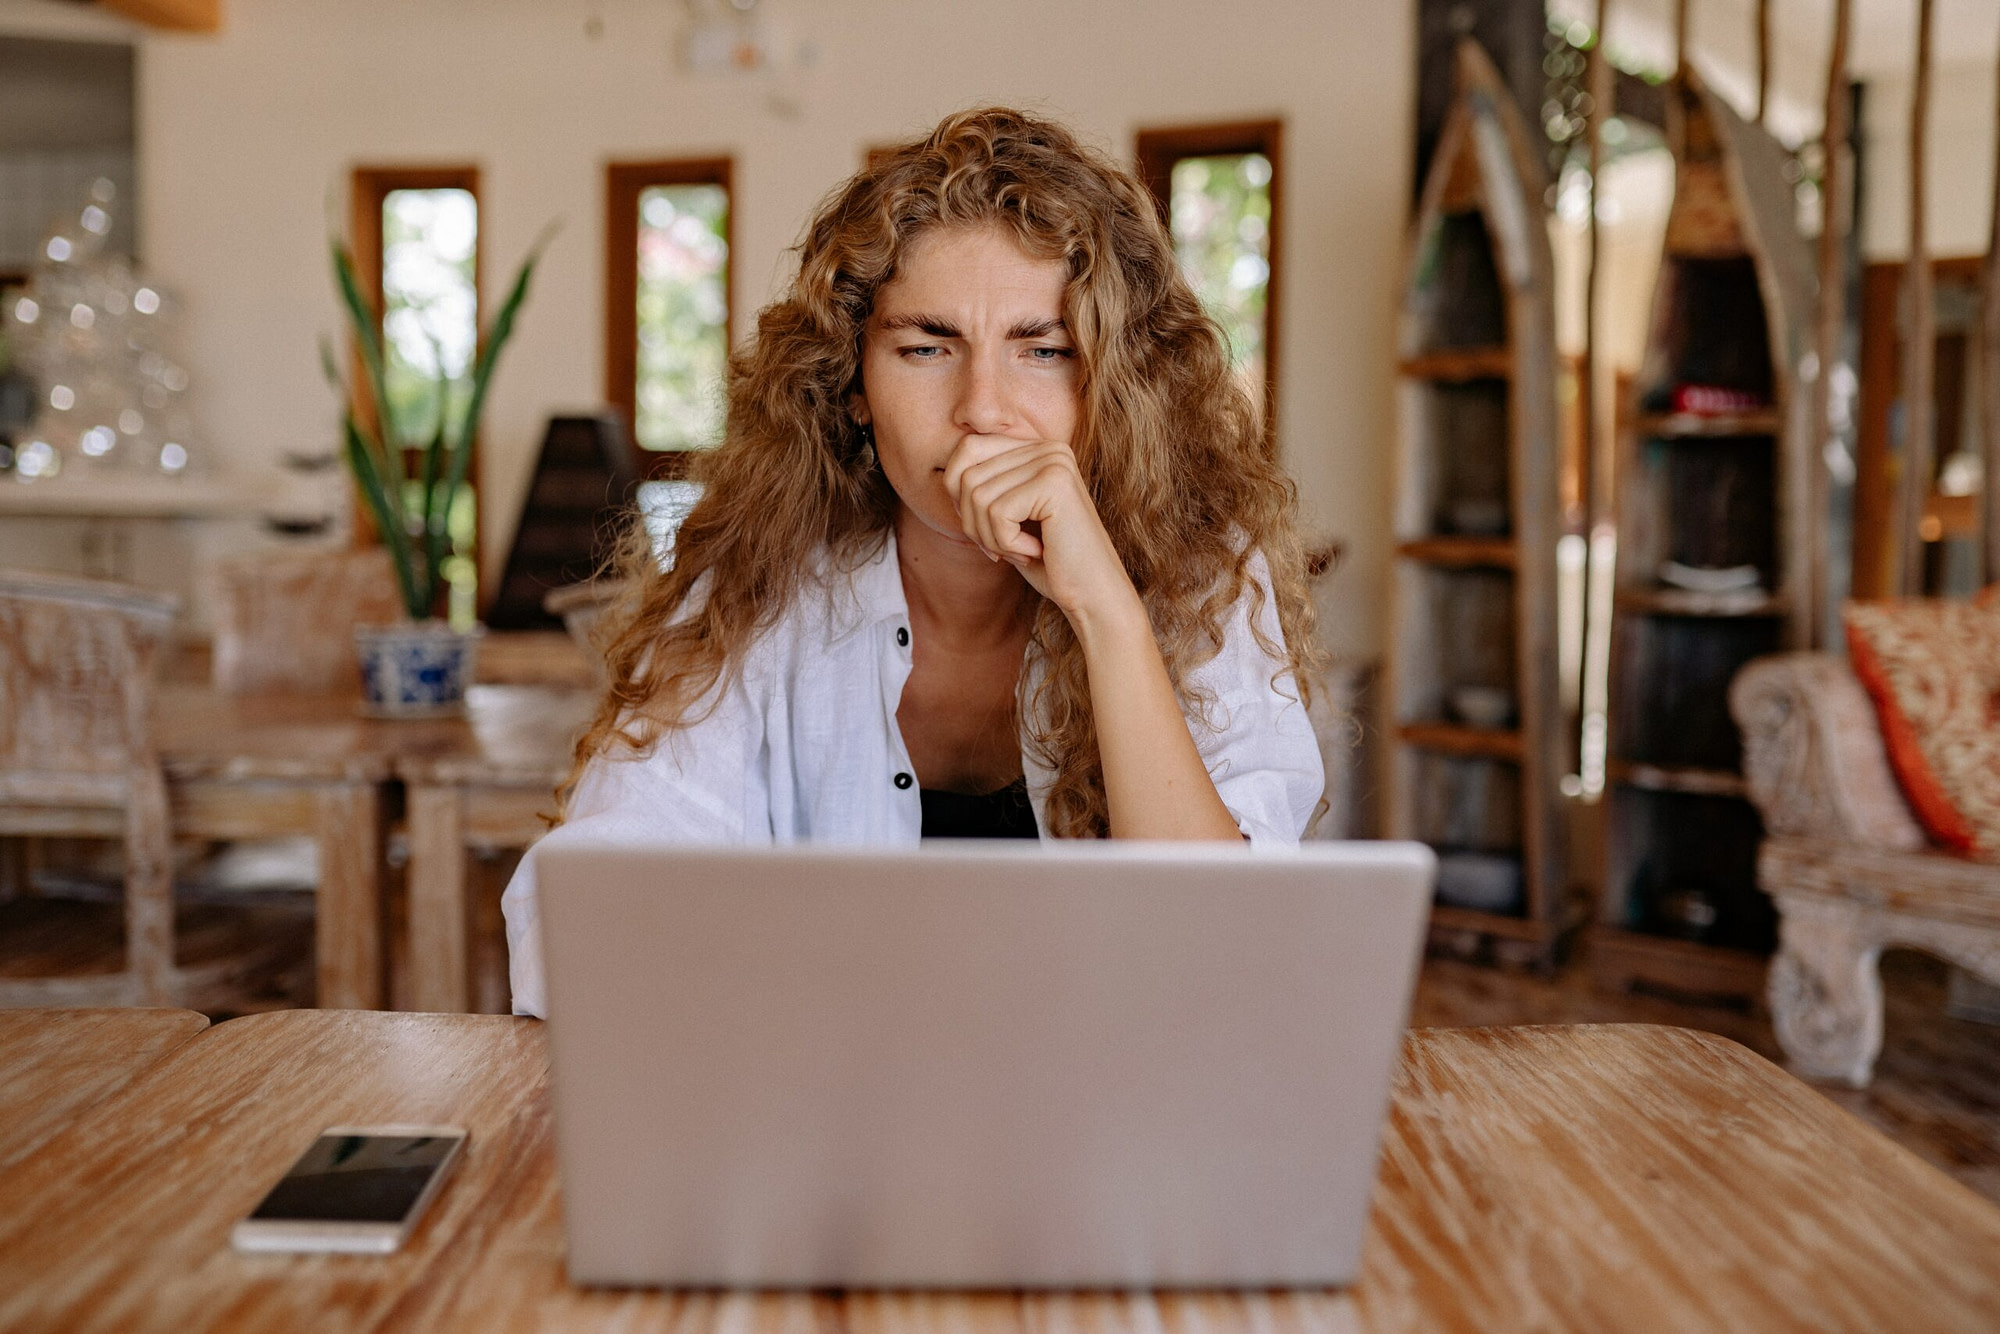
{"x": 992, "y": 545}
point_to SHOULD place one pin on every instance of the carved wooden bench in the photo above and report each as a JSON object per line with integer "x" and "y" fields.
{"x": 1847, "y": 864}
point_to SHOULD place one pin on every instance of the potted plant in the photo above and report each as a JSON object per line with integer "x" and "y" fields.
{"x": 422, "y": 666}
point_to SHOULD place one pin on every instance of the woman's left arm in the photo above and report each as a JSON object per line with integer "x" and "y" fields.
{"x": 1155, "y": 780}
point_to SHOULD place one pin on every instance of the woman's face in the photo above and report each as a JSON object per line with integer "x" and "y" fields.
{"x": 967, "y": 339}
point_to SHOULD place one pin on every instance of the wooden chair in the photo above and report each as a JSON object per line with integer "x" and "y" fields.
{"x": 76, "y": 693}
{"x": 284, "y": 625}
{"x": 284, "y": 621}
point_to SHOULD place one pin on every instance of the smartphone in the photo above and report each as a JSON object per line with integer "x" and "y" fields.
{"x": 356, "y": 1189}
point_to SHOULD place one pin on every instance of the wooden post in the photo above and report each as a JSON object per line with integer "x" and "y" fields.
{"x": 1680, "y": 36}
{"x": 1832, "y": 308}
{"x": 1920, "y": 329}
{"x": 1597, "y": 461}
{"x": 1764, "y": 58}
{"x": 1989, "y": 371}
{"x": 1600, "y": 449}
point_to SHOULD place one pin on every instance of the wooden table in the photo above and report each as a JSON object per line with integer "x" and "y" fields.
{"x": 493, "y": 789}
{"x": 56, "y": 1064}
{"x": 258, "y": 766}
{"x": 1593, "y": 1178}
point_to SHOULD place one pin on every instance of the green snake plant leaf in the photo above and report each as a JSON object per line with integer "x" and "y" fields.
{"x": 389, "y": 516}
{"x": 368, "y": 336}
{"x": 329, "y": 366}
{"x": 496, "y": 338}
{"x": 414, "y": 513}
{"x": 436, "y": 509}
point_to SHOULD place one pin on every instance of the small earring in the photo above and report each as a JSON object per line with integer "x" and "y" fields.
{"x": 865, "y": 456}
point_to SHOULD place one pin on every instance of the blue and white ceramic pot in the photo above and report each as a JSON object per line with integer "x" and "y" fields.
{"x": 419, "y": 669}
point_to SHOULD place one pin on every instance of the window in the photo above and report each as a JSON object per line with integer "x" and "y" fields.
{"x": 1217, "y": 187}
{"x": 416, "y": 250}
{"x": 667, "y": 314}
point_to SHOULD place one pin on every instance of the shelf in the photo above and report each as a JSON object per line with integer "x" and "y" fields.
{"x": 1697, "y": 426}
{"x": 1457, "y": 365}
{"x": 1478, "y": 500}
{"x": 1680, "y": 778}
{"x": 1496, "y": 553}
{"x": 1444, "y": 917}
{"x": 1481, "y": 743}
{"x": 1749, "y": 602}
{"x": 1679, "y": 249}
{"x": 1620, "y": 958}
{"x": 78, "y": 495}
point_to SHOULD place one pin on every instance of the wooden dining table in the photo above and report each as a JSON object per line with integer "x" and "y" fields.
{"x": 1616, "y": 1178}
{"x": 56, "y": 1064}
{"x": 492, "y": 790}
{"x": 259, "y": 766}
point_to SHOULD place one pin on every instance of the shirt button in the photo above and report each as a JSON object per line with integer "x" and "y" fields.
{"x": 902, "y": 637}
{"x": 903, "y": 780}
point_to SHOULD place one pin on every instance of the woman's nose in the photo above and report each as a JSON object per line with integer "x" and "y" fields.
{"x": 984, "y": 406}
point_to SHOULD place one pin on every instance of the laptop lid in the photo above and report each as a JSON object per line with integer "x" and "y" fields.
{"x": 975, "y": 1065}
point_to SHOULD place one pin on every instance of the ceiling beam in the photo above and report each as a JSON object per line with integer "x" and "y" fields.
{"x": 179, "y": 15}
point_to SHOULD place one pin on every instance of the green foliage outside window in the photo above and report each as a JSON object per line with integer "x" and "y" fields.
{"x": 430, "y": 303}
{"x": 430, "y": 330}
{"x": 683, "y": 315}
{"x": 1221, "y": 218}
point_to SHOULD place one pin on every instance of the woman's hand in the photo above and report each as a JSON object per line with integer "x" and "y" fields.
{"x": 1025, "y": 502}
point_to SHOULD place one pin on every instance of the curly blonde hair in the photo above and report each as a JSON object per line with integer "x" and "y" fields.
{"x": 1168, "y": 442}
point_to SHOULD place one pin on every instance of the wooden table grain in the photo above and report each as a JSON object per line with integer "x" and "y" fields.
{"x": 256, "y": 766}
{"x": 56, "y": 1064}
{"x": 1616, "y": 1178}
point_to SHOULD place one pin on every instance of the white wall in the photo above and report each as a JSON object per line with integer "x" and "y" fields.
{"x": 1958, "y": 171}
{"x": 246, "y": 139}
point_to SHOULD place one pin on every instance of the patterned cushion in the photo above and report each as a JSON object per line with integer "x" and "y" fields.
{"x": 1933, "y": 671}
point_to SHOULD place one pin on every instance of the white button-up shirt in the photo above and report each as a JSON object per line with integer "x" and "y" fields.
{"x": 802, "y": 745}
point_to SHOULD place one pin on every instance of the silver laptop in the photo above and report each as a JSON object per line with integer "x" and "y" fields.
{"x": 975, "y": 1065}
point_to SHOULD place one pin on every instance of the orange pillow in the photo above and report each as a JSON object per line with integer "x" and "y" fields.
{"x": 1933, "y": 670}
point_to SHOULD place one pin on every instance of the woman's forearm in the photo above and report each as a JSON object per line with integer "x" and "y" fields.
{"x": 1154, "y": 780}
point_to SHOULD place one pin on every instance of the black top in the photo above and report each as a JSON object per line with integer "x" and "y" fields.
{"x": 1002, "y": 814}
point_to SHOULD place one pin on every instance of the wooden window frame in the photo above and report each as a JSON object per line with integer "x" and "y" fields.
{"x": 368, "y": 190}
{"x": 624, "y": 182}
{"x": 1157, "y": 152}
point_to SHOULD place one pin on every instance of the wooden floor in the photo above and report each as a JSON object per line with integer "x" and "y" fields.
{"x": 1936, "y": 1089}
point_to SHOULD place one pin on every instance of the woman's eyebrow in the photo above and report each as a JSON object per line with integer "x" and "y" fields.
{"x": 1041, "y": 328}
{"x": 934, "y": 325}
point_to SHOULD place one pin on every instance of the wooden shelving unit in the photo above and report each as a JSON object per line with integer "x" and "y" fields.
{"x": 1485, "y": 743}
{"x": 1685, "y": 602}
{"x": 1460, "y": 365}
{"x": 1679, "y": 907}
{"x": 1462, "y": 553}
{"x": 1477, "y": 741}
{"x": 1749, "y": 426}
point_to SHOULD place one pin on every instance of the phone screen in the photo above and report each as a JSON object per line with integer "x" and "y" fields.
{"x": 357, "y": 1178}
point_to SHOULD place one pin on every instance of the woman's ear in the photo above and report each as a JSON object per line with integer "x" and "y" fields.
{"x": 857, "y": 408}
